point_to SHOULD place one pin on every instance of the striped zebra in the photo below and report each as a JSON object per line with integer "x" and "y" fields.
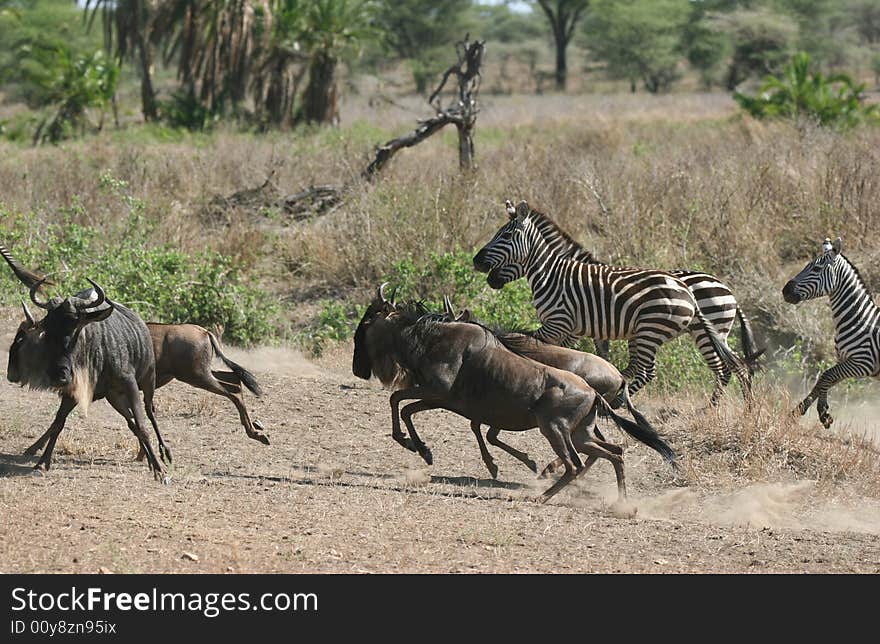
{"x": 576, "y": 299}
{"x": 714, "y": 298}
{"x": 856, "y": 321}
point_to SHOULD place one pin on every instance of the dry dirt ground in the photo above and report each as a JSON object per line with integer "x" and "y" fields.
{"x": 334, "y": 493}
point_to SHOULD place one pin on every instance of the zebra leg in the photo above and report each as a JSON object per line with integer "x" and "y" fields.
{"x": 642, "y": 367}
{"x": 829, "y": 378}
{"x": 714, "y": 362}
{"x": 603, "y": 348}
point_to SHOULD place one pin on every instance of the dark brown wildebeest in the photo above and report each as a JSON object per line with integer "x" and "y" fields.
{"x": 600, "y": 374}
{"x": 85, "y": 348}
{"x": 465, "y": 369}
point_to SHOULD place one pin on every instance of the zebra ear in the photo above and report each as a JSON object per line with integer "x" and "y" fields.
{"x": 511, "y": 210}
{"x": 522, "y": 209}
{"x": 837, "y": 246}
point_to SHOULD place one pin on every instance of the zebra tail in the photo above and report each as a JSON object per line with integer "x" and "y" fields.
{"x": 750, "y": 347}
{"x": 736, "y": 364}
{"x": 641, "y": 430}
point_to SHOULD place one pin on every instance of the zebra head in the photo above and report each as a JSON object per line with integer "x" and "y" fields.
{"x": 504, "y": 257}
{"x": 819, "y": 277}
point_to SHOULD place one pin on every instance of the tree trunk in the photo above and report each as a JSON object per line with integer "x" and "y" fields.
{"x": 465, "y": 145}
{"x": 148, "y": 95}
{"x": 319, "y": 101}
{"x": 561, "y": 65}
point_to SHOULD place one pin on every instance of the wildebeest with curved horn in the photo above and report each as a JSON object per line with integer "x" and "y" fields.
{"x": 465, "y": 369}
{"x": 600, "y": 374}
{"x": 87, "y": 347}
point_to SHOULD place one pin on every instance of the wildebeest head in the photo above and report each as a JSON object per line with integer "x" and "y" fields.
{"x": 41, "y": 354}
{"x": 61, "y": 327}
{"x": 379, "y": 308}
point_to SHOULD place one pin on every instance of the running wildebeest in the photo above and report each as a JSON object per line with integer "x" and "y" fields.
{"x": 184, "y": 352}
{"x": 465, "y": 369}
{"x": 87, "y": 347}
{"x": 600, "y": 374}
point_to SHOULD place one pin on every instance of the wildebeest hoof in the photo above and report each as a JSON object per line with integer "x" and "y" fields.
{"x": 31, "y": 451}
{"x": 262, "y": 438}
{"x": 425, "y": 453}
{"x": 532, "y": 466}
{"x": 258, "y": 425}
{"x": 493, "y": 470}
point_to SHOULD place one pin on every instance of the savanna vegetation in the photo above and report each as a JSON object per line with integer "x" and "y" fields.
{"x": 721, "y": 135}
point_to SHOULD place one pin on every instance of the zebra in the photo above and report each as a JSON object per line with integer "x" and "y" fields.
{"x": 714, "y": 298}
{"x": 856, "y": 321}
{"x": 576, "y": 299}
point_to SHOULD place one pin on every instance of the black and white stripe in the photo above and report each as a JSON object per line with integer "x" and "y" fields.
{"x": 856, "y": 321}
{"x": 576, "y": 299}
{"x": 714, "y": 298}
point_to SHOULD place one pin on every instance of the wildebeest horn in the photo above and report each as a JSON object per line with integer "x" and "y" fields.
{"x": 393, "y": 296}
{"x": 380, "y": 292}
{"x": 34, "y": 287}
{"x": 81, "y": 303}
{"x": 27, "y": 314}
{"x": 28, "y": 278}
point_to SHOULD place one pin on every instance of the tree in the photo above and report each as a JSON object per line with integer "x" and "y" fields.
{"x": 639, "y": 39}
{"x": 761, "y": 42}
{"x": 563, "y": 16}
{"x": 215, "y": 43}
{"x": 417, "y": 29}
{"x": 329, "y": 29}
{"x": 73, "y": 84}
{"x": 125, "y": 24}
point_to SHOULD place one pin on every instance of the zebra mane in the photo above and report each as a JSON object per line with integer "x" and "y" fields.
{"x": 568, "y": 247}
{"x": 859, "y": 277}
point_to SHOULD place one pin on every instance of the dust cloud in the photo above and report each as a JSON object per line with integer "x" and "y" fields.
{"x": 795, "y": 505}
{"x": 278, "y": 360}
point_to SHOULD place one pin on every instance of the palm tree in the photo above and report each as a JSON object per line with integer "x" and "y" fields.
{"x": 329, "y": 28}
{"x": 125, "y": 24}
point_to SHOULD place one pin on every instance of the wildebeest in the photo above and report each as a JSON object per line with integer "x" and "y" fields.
{"x": 600, "y": 374}
{"x": 185, "y": 352}
{"x": 87, "y": 347}
{"x": 465, "y": 369}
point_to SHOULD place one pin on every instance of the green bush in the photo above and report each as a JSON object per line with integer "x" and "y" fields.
{"x": 800, "y": 93}
{"x": 161, "y": 283}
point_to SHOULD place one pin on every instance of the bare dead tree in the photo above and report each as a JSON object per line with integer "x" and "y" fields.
{"x": 462, "y": 112}
{"x": 321, "y": 199}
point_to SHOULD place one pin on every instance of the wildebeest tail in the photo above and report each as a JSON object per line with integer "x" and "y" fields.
{"x": 247, "y": 378}
{"x": 750, "y": 347}
{"x": 641, "y": 430}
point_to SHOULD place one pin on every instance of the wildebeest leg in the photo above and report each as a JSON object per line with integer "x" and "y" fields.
{"x": 396, "y": 398}
{"x": 560, "y": 441}
{"x": 492, "y": 437}
{"x": 131, "y": 403}
{"x": 595, "y": 451}
{"x": 406, "y": 414}
{"x": 164, "y": 450}
{"x": 214, "y": 386}
{"x": 67, "y": 405}
{"x": 484, "y": 452}
{"x": 33, "y": 449}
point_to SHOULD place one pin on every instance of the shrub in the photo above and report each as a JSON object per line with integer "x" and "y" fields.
{"x": 162, "y": 283}
{"x": 800, "y": 93}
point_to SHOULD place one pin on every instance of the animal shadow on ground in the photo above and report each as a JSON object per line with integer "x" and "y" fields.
{"x": 16, "y": 465}
{"x": 372, "y": 480}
